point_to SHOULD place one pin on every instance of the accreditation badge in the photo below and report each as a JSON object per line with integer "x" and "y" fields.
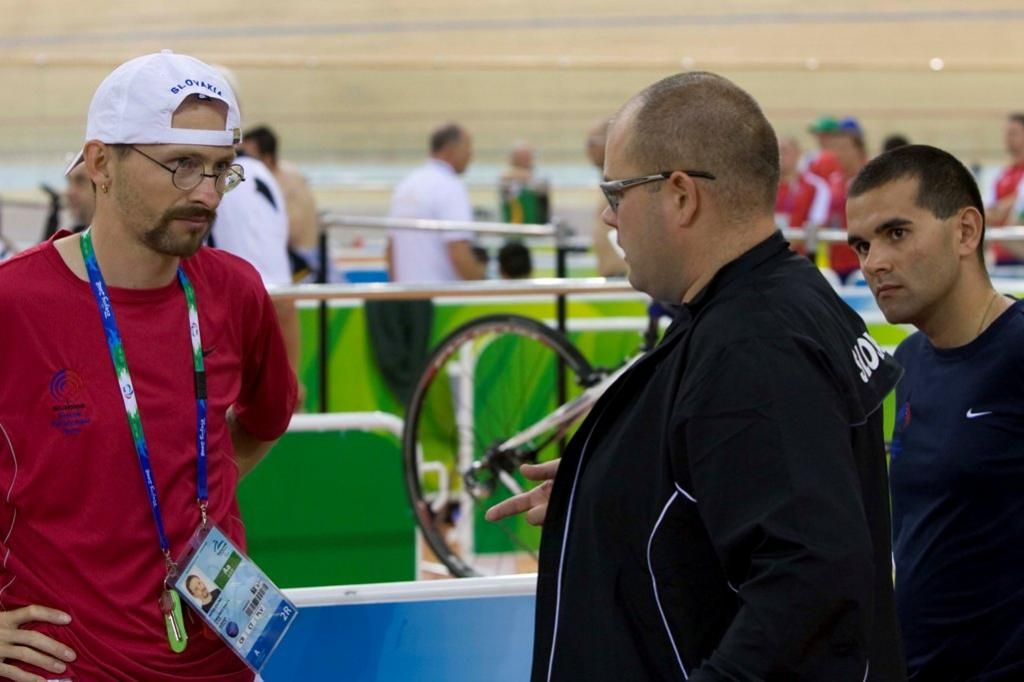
{"x": 233, "y": 596}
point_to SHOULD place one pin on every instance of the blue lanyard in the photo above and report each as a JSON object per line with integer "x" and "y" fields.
{"x": 117, "y": 355}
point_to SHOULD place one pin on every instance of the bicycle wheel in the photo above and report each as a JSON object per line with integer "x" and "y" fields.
{"x": 485, "y": 382}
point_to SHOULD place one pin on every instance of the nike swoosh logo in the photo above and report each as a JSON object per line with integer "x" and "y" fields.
{"x": 971, "y": 414}
{"x": 207, "y": 351}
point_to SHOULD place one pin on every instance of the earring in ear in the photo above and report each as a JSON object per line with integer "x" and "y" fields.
{"x": 103, "y": 188}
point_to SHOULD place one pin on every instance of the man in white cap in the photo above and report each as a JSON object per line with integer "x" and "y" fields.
{"x": 177, "y": 370}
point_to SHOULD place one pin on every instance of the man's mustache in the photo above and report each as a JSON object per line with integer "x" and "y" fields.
{"x": 190, "y": 214}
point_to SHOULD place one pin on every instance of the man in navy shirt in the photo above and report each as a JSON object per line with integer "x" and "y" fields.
{"x": 917, "y": 223}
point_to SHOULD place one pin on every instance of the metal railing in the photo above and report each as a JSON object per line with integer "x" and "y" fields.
{"x": 347, "y": 421}
{"x": 559, "y": 231}
{"x": 558, "y": 287}
{"x": 388, "y": 291}
{"x": 330, "y": 220}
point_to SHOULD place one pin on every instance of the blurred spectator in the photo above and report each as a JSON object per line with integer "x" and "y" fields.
{"x": 480, "y": 253}
{"x": 609, "y": 258}
{"x": 400, "y": 330}
{"x": 520, "y": 164}
{"x": 999, "y": 203}
{"x": 524, "y": 197}
{"x": 514, "y": 261}
{"x": 847, "y": 145}
{"x": 303, "y": 229}
{"x": 435, "y": 191}
{"x": 1002, "y": 198}
{"x": 822, "y": 162}
{"x": 804, "y": 198}
{"x": 80, "y": 198}
{"x": 894, "y": 141}
{"x": 252, "y": 223}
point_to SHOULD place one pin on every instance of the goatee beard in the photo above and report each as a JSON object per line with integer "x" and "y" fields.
{"x": 161, "y": 239}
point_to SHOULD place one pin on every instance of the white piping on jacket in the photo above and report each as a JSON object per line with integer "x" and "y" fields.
{"x": 654, "y": 580}
{"x": 687, "y": 495}
{"x": 565, "y": 538}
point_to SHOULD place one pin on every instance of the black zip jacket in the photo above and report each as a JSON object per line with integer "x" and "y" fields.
{"x": 723, "y": 513}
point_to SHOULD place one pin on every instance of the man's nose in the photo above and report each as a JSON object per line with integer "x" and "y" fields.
{"x": 610, "y": 217}
{"x": 876, "y": 260}
{"x": 206, "y": 193}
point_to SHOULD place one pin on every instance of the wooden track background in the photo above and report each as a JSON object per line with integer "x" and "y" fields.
{"x": 362, "y": 81}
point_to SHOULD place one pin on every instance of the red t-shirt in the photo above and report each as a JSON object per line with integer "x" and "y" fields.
{"x": 76, "y": 530}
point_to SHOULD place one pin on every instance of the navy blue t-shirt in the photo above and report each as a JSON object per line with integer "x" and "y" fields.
{"x": 957, "y": 477}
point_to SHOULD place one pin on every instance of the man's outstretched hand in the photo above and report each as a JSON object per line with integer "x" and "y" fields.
{"x": 534, "y": 501}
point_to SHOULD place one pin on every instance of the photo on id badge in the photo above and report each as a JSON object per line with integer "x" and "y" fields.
{"x": 234, "y": 597}
{"x": 202, "y": 590}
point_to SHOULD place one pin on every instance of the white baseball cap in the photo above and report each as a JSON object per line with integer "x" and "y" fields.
{"x": 135, "y": 103}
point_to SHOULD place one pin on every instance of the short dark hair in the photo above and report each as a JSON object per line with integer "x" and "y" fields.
{"x": 121, "y": 149}
{"x": 701, "y": 121}
{"x": 480, "y": 254}
{"x": 514, "y": 261}
{"x": 1016, "y": 117}
{"x": 265, "y": 139}
{"x": 894, "y": 141}
{"x": 944, "y": 185}
{"x": 448, "y": 134}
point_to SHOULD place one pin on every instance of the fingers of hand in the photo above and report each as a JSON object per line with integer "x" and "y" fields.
{"x": 33, "y": 614}
{"x": 541, "y": 472}
{"x": 522, "y": 502}
{"x": 513, "y": 505}
{"x": 36, "y": 641}
{"x": 536, "y": 516}
{"x": 29, "y": 646}
{"x": 11, "y": 652}
{"x": 9, "y": 672}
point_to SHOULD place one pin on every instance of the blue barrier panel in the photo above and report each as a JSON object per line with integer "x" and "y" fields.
{"x": 410, "y": 635}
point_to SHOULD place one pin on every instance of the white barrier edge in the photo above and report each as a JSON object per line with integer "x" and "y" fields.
{"x": 424, "y": 590}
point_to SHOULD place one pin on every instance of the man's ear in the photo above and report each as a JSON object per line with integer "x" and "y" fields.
{"x": 970, "y": 224}
{"x": 99, "y": 163}
{"x": 685, "y": 198}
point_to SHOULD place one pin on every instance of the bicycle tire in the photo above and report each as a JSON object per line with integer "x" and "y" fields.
{"x": 517, "y": 345}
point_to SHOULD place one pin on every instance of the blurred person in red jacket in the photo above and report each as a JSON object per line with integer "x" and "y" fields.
{"x": 1000, "y": 200}
{"x": 804, "y": 197}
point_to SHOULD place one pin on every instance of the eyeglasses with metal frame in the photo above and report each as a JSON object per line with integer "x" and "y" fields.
{"x": 614, "y": 189}
{"x": 189, "y": 172}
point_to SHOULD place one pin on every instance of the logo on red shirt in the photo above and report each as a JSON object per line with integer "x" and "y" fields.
{"x": 70, "y": 410}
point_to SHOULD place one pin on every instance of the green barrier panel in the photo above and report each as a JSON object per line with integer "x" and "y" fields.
{"x": 356, "y": 385}
{"x": 329, "y": 509}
